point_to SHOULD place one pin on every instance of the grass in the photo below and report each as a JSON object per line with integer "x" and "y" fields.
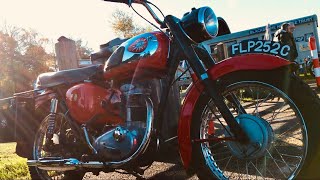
{"x": 11, "y": 165}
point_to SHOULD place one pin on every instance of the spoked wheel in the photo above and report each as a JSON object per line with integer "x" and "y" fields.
{"x": 275, "y": 125}
{"x": 62, "y": 132}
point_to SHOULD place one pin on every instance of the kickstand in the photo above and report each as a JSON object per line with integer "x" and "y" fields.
{"x": 137, "y": 172}
{"x": 138, "y": 176}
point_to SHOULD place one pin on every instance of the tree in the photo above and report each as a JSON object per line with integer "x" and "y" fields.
{"x": 83, "y": 50}
{"x": 8, "y": 57}
{"x": 124, "y": 26}
{"x": 23, "y": 57}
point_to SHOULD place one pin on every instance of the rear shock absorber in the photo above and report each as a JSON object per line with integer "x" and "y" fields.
{"x": 51, "y": 122}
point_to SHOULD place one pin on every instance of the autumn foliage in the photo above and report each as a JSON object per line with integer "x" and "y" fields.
{"x": 124, "y": 26}
{"x": 22, "y": 58}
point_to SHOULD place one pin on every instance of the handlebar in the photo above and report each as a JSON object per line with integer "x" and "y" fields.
{"x": 119, "y": 1}
{"x": 145, "y": 4}
{"x": 129, "y": 2}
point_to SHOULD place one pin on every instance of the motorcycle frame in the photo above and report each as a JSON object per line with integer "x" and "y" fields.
{"x": 204, "y": 67}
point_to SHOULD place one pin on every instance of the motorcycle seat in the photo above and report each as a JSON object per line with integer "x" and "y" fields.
{"x": 51, "y": 79}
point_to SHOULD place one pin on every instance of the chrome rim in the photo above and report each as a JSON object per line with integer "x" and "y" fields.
{"x": 278, "y": 134}
{"x": 38, "y": 151}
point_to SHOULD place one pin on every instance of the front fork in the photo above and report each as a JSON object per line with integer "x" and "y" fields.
{"x": 192, "y": 54}
{"x": 218, "y": 99}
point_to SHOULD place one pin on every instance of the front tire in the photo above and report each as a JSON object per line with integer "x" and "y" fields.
{"x": 278, "y": 120}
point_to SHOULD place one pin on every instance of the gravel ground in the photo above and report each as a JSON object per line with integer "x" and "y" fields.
{"x": 158, "y": 170}
{"x": 168, "y": 168}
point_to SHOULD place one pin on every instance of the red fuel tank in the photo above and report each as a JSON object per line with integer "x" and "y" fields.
{"x": 87, "y": 100}
{"x": 143, "y": 56}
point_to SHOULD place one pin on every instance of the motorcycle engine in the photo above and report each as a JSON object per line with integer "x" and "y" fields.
{"x": 121, "y": 141}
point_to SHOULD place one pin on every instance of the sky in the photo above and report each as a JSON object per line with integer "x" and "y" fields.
{"x": 90, "y": 19}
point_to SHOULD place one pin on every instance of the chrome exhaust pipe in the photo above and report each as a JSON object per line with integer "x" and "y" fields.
{"x": 58, "y": 164}
{"x": 63, "y": 164}
{"x": 55, "y": 164}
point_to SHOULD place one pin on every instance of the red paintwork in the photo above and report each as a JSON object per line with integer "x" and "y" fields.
{"x": 244, "y": 62}
{"x": 84, "y": 102}
{"x": 247, "y": 62}
{"x": 149, "y": 67}
{"x": 211, "y": 129}
{"x": 185, "y": 123}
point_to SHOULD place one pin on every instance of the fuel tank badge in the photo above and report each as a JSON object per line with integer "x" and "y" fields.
{"x": 138, "y": 45}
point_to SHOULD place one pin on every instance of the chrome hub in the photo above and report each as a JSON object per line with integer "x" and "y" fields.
{"x": 260, "y": 136}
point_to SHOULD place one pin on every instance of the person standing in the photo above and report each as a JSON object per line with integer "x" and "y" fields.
{"x": 285, "y": 36}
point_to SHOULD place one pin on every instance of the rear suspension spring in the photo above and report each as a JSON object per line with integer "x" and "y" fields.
{"x": 52, "y": 117}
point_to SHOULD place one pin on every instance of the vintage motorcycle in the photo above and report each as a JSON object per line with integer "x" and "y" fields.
{"x": 247, "y": 117}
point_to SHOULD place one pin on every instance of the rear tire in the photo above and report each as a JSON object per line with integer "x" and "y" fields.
{"x": 61, "y": 127}
{"x": 299, "y": 96}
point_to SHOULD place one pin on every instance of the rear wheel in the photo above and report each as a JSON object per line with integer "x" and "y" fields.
{"x": 62, "y": 133}
{"x": 275, "y": 122}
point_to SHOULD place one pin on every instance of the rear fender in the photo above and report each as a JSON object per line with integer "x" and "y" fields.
{"x": 40, "y": 100}
{"x": 28, "y": 122}
{"x": 249, "y": 62}
{"x": 30, "y": 112}
{"x": 32, "y": 119}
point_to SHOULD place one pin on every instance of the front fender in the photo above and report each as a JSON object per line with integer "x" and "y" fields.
{"x": 249, "y": 62}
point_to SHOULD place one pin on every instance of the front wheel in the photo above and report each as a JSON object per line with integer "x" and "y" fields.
{"x": 274, "y": 115}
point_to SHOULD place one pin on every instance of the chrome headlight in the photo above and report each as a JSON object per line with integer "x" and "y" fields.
{"x": 200, "y": 24}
